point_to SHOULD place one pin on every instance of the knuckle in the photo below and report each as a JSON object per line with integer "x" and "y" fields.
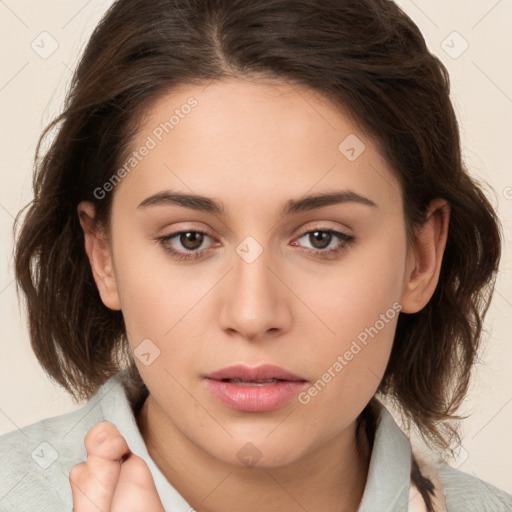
{"x": 104, "y": 427}
{"x": 118, "y": 443}
{"x": 99, "y": 433}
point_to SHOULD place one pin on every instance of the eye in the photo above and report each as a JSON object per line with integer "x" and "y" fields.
{"x": 190, "y": 240}
{"x": 321, "y": 239}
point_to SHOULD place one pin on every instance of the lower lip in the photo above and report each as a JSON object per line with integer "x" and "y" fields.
{"x": 254, "y": 398}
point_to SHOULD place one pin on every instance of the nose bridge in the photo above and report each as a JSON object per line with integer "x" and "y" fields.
{"x": 254, "y": 300}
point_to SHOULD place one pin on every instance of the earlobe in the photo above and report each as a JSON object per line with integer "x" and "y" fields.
{"x": 100, "y": 257}
{"x": 425, "y": 258}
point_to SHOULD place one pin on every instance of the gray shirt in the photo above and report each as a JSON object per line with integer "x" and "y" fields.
{"x": 36, "y": 461}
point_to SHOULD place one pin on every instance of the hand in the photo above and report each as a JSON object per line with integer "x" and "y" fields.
{"x": 113, "y": 479}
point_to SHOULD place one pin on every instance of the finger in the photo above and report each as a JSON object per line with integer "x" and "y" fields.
{"x": 104, "y": 440}
{"x": 136, "y": 490}
{"x": 93, "y": 482}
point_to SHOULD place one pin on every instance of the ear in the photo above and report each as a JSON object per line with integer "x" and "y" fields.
{"x": 425, "y": 257}
{"x": 100, "y": 256}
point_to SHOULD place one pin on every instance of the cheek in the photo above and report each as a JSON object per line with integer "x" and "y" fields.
{"x": 158, "y": 298}
{"x": 366, "y": 283}
{"x": 160, "y": 308}
{"x": 359, "y": 308}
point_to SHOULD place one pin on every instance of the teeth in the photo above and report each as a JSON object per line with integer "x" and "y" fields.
{"x": 241, "y": 382}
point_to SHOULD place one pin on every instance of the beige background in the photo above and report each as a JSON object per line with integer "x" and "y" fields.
{"x": 32, "y": 84}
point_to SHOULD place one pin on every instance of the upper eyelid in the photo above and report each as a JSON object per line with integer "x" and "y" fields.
{"x": 301, "y": 233}
{"x": 309, "y": 226}
{"x": 337, "y": 232}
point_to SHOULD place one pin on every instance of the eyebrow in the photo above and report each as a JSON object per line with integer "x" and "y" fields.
{"x": 293, "y": 206}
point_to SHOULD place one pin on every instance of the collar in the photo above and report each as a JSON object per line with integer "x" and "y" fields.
{"x": 388, "y": 486}
{"x": 388, "y": 481}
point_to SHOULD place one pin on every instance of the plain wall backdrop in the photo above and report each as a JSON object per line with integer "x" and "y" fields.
{"x": 40, "y": 43}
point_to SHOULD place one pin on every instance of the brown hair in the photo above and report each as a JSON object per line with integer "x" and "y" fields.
{"x": 367, "y": 57}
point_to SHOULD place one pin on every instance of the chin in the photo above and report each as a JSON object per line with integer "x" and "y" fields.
{"x": 259, "y": 453}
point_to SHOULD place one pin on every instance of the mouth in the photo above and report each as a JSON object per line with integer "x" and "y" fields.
{"x": 266, "y": 373}
{"x": 241, "y": 382}
{"x": 261, "y": 389}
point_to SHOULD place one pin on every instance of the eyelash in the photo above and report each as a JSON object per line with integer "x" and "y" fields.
{"x": 325, "y": 254}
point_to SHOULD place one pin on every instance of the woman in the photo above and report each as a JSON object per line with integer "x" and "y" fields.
{"x": 253, "y": 226}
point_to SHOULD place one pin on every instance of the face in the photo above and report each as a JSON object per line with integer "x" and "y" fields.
{"x": 314, "y": 290}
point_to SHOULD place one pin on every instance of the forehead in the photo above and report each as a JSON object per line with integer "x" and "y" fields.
{"x": 242, "y": 140}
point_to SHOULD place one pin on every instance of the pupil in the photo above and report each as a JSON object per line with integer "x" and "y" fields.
{"x": 322, "y": 236}
{"x": 191, "y": 240}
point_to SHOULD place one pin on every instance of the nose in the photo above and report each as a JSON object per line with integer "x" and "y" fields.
{"x": 255, "y": 304}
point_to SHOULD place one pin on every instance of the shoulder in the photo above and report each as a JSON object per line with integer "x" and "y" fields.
{"x": 37, "y": 459}
{"x": 467, "y": 493}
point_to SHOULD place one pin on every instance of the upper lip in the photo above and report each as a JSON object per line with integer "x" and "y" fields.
{"x": 263, "y": 372}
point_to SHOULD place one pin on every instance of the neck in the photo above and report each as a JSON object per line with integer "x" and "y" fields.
{"x": 317, "y": 481}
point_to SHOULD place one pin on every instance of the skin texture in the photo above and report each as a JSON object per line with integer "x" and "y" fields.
{"x": 253, "y": 146}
